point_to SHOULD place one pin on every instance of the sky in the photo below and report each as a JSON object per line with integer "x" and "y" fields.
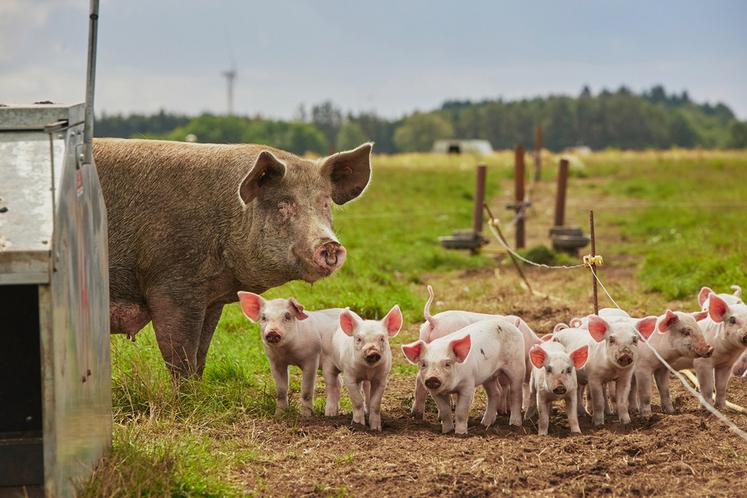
{"x": 391, "y": 57}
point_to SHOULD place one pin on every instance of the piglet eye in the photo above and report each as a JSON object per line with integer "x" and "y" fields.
{"x": 447, "y": 364}
{"x": 635, "y": 340}
{"x": 263, "y": 318}
{"x": 358, "y": 340}
{"x": 287, "y": 316}
{"x": 548, "y": 369}
{"x": 686, "y": 332}
{"x": 422, "y": 364}
{"x": 612, "y": 340}
{"x": 732, "y": 320}
{"x": 568, "y": 370}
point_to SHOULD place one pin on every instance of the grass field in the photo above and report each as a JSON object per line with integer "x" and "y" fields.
{"x": 668, "y": 222}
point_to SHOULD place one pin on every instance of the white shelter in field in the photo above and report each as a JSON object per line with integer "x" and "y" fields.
{"x": 462, "y": 146}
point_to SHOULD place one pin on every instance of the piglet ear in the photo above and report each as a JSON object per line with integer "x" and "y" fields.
{"x": 461, "y": 347}
{"x": 251, "y": 304}
{"x": 413, "y": 351}
{"x": 580, "y": 356}
{"x": 700, "y": 315}
{"x": 393, "y": 321}
{"x": 646, "y": 326}
{"x": 703, "y": 295}
{"x": 348, "y": 322}
{"x": 717, "y": 308}
{"x": 598, "y": 328}
{"x": 559, "y": 326}
{"x": 546, "y": 338}
{"x": 297, "y": 309}
{"x": 737, "y": 290}
{"x": 576, "y": 323}
{"x": 537, "y": 356}
{"x": 667, "y": 320}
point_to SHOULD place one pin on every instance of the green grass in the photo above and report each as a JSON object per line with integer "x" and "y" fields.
{"x": 165, "y": 441}
{"x": 689, "y": 230}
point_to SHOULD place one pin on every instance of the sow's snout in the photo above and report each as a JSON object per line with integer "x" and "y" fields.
{"x": 559, "y": 390}
{"x": 329, "y": 256}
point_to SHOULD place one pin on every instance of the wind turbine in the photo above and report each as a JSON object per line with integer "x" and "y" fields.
{"x": 230, "y": 76}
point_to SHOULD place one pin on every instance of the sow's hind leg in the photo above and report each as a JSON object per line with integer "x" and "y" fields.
{"x": 178, "y": 328}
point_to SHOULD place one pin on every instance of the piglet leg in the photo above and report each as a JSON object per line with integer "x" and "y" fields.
{"x": 377, "y": 387}
{"x": 444, "y": 412}
{"x": 572, "y": 411}
{"x": 418, "y": 404}
{"x": 461, "y": 411}
{"x": 356, "y": 398}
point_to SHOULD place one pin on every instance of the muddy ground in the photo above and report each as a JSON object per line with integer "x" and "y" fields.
{"x": 689, "y": 453}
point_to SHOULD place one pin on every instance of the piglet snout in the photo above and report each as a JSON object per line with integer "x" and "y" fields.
{"x": 744, "y": 339}
{"x": 373, "y": 357}
{"x": 559, "y": 390}
{"x": 625, "y": 359}
{"x": 273, "y": 337}
{"x": 707, "y": 353}
{"x": 432, "y": 383}
{"x": 330, "y": 255}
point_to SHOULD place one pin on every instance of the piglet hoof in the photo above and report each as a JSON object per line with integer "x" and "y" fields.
{"x": 576, "y": 431}
{"x": 446, "y": 428}
{"x": 279, "y": 412}
{"x": 306, "y": 412}
{"x": 542, "y": 432}
{"x": 597, "y": 421}
{"x": 330, "y": 411}
{"x": 417, "y": 415}
{"x": 625, "y": 420}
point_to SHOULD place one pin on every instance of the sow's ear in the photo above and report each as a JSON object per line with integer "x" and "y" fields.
{"x": 349, "y": 171}
{"x": 267, "y": 169}
{"x": 251, "y": 304}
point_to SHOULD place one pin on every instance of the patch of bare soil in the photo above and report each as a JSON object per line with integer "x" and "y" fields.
{"x": 686, "y": 454}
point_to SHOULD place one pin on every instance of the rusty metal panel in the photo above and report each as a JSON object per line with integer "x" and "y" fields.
{"x": 74, "y": 299}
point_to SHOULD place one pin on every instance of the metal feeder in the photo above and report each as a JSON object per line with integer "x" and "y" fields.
{"x": 55, "y": 374}
{"x": 568, "y": 239}
{"x": 466, "y": 238}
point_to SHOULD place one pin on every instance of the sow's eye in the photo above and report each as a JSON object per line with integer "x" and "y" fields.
{"x": 287, "y": 316}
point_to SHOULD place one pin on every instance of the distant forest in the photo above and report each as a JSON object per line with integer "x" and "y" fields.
{"x": 618, "y": 119}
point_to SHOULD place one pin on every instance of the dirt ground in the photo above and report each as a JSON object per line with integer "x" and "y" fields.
{"x": 689, "y": 453}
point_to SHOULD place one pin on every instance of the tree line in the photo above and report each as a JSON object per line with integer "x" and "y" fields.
{"x": 609, "y": 119}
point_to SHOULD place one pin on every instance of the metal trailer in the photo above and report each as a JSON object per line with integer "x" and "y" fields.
{"x": 55, "y": 372}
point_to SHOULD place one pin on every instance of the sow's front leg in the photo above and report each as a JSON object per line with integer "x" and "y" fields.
{"x": 212, "y": 316}
{"x": 178, "y": 327}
